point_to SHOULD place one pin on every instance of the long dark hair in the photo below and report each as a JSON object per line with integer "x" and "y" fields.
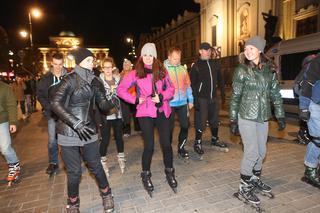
{"x": 158, "y": 70}
{"x": 263, "y": 61}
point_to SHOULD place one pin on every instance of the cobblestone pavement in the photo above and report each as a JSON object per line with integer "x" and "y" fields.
{"x": 204, "y": 186}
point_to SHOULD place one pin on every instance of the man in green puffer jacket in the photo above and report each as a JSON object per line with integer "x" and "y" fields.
{"x": 8, "y": 120}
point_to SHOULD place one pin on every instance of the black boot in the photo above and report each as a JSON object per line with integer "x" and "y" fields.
{"x": 171, "y": 179}
{"x": 182, "y": 152}
{"x": 73, "y": 205}
{"x": 246, "y": 190}
{"x": 257, "y": 182}
{"x": 146, "y": 181}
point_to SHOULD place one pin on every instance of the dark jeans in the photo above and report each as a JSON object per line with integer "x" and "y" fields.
{"x": 182, "y": 112}
{"x": 207, "y": 110}
{"x": 147, "y": 126}
{"x": 22, "y": 106}
{"x": 116, "y": 124}
{"x": 71, "y": 157}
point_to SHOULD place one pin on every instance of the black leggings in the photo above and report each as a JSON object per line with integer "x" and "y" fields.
{"x": 117, "y": 125}
{"x": 182, "y": 112}
{"x": 147, "y": 126}
{"x": 71, "y": 157}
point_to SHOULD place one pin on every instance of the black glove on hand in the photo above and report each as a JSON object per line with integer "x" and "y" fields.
{"x": 282, "y": 124}
{"x": 234, "y": 128}
{"x": 304, "y": 114}
{"x": 84, "y": 131}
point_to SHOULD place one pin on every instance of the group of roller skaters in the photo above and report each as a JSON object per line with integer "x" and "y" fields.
{"x": 161, "y": 91}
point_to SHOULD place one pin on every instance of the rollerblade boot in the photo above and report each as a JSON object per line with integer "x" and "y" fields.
{"x": 182, "y": 152}
{"x": 107, "y": 201}
{"x": 13, "y": 173}
{"x": 104, "y": 165}
{"x": 218, "y": 145}
{"x": 303, "y": 137}
{"x": 73, "y": 205}
{"x": 146, "y": 181}
{"x": 246, "y": 191}
{"x": 198, "y": 147}
{"x": 171, "y": 179}
{"x": 52, "y": 169}
{"x": 311, "y": 177}
{"x": 257, "y": 182}
{"x": 122, "y": 161}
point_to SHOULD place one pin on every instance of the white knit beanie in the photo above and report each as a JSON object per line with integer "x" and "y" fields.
{"x": 149, "y": 49}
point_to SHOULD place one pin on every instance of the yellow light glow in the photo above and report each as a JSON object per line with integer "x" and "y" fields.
{"x": 23, "y": 33}
{"x": 36, "y": 12}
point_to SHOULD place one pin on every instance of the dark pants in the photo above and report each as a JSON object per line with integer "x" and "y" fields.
{"x": 22, "y": 106}
{"x": 71, "y": 157}
{"x": 147, "y": 126}
{"x": 207, "y": 110}
{"x": 182, "y": 112}
{"x": 116, "y": 124}
{"x": 128, "y": 111}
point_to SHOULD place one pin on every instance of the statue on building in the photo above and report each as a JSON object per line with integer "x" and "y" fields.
{"x": 270, "y": 28}
{"x": 244, "y": 18}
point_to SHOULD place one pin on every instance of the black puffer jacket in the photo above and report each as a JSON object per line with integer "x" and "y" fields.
{"x": 77, "y": 95}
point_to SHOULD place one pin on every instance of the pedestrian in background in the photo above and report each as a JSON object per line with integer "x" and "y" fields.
{"x": 154, "y": 90}
{"x": 18, "y": 87}
{"x": 254, "y": 87}
{"x": 182, "y": 100}
{"x": 113, "y": 119}
{"x": 206, "y": 77}
{"x": 46, "y": 84}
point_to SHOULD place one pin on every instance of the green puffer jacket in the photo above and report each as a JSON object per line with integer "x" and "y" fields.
{"x": 253, "y": 92}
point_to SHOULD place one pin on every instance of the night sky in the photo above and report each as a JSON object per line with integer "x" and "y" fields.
{"x": 105, "y": 23}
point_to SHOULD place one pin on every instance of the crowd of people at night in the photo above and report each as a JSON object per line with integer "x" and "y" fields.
{"x": 83, "y": 105}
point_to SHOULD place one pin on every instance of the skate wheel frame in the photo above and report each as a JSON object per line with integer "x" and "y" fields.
{"x": 257, "y": 207}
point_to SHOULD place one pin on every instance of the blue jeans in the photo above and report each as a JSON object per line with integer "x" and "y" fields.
{"x": 312, "y": 157}
{"x": 5, "y": 144}
{"x": 53, "y": 142}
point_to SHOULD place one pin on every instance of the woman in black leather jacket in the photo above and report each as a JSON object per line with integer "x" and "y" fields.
{"x": 74, "y": 100}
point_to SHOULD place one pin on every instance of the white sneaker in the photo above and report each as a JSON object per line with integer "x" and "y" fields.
{"x": 122, "y": 161}
{"x": 104, "y": 165}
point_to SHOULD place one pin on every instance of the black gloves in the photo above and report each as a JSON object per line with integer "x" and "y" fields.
{"x": 84, "y": 131}
{"x": 234, "y": 128}
{"x": 282, "y": 124}
{"x": 304, "y": 114}
{"x": 158, "y": 105}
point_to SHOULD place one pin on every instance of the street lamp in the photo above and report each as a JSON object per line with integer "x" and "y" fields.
{"x": 23, "y": 33}
{"x": 36, "y": 13}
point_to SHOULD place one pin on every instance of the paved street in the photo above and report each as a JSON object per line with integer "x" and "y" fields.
{"x": 204, "y": 186}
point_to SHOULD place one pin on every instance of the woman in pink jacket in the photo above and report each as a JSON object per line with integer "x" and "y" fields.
{"x": 154, "y": 91}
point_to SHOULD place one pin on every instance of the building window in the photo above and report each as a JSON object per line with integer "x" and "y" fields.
{"x": 214, "y": 35}
{"x": 307, "y": 26}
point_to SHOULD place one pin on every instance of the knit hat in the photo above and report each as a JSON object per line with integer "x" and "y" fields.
{"x": 149, "y": 49}
{"x": 204, "y": 46}
{"x": 257, "y": 42}
{"x": 80, "y": 54}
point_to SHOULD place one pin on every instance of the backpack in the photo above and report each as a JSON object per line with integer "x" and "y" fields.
{"x": 301, "y": 77}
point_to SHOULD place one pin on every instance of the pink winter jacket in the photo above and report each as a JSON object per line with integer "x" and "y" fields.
{"x": 144, "y": 90}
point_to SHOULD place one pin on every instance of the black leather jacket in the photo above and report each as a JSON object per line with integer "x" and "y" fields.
{"x": 76, "y": 97}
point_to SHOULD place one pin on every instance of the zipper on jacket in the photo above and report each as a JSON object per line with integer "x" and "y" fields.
{"x": 211, "y": 83}
{"x": 200, "y": 87}
{"x": 175, "y": 72}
